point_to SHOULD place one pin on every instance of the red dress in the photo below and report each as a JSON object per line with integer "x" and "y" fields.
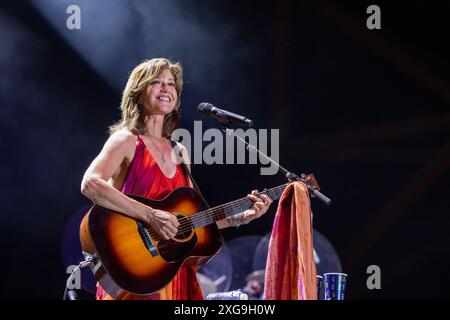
{"x": 145, "y": 178}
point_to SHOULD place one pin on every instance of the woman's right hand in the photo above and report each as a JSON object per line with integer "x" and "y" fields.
{"x": 163, "y": 222}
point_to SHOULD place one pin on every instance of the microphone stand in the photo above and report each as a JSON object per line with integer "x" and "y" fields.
{"x": 314, "y": 193}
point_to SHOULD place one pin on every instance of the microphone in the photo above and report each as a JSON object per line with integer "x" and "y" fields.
{"x": 224, "y": 117}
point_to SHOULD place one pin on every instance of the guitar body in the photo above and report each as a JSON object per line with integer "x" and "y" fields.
{"x": 132, "y": 258}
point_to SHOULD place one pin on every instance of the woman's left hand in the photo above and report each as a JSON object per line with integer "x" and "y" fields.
{"x": 260, "y": 206}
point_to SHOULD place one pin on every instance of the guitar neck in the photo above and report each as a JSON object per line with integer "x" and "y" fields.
{"x": 212, "y": 215}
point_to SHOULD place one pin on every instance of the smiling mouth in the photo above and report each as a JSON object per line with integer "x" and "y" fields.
{"x": 164, "y": 99}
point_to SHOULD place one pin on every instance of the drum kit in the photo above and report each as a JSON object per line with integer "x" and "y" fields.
{"x": 239, "y": 265}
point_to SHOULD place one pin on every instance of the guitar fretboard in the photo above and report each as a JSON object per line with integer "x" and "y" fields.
{"x": 209, "y": 216}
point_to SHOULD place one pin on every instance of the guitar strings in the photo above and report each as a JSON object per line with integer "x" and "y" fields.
{"x": 206, "y": 215}
{"x": 187, "y": 223}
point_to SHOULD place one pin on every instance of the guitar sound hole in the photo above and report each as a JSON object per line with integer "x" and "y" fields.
{"x": 185, "y": 229}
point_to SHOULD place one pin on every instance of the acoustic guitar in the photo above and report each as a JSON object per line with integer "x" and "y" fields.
{"x": 128, "y": 256}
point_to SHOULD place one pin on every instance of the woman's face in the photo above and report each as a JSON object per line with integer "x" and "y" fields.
{"x": 160, "y": 96}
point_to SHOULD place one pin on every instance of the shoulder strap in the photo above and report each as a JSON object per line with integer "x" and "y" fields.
{"x": 186, "y": 170}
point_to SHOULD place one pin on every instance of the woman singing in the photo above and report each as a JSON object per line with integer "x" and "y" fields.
{"x": 138, "y": 159}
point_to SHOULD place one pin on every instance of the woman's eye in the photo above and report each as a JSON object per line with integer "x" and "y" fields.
{"x": 172, "y": 84}
{"x": 155, "y": 82}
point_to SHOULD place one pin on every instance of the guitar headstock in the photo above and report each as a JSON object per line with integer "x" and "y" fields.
{"x": 311, "y": 180}
{"x": 312, "y": 184}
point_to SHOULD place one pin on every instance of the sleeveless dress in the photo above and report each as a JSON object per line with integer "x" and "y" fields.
{"x": 145, "y": 178}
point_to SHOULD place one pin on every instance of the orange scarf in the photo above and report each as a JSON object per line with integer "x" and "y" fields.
{"x": 290, "y": 269}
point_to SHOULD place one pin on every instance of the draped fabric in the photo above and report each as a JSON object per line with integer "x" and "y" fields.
{"x": 145, "y": 178}
{"x": 290, "y": 268}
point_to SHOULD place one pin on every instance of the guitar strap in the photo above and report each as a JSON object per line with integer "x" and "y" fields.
{"x": 186, "y": 170}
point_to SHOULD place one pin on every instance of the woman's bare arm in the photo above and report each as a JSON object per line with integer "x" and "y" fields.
{"x": 95, "y": 185}
{"x": 119, "y": 146}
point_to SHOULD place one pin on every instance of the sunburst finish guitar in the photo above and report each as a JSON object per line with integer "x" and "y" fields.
{"x": 130, "y": 257}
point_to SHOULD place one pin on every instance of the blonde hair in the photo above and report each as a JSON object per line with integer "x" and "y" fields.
{"x": 133, "y": 115}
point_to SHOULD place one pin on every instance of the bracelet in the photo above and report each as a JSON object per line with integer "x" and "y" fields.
{"x": 237, "y": 220}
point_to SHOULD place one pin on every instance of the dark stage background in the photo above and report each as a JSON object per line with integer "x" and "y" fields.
{"x": 366, "y": 110}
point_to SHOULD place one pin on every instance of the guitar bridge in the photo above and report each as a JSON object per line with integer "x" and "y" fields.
{"x": 147, "y": 239}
